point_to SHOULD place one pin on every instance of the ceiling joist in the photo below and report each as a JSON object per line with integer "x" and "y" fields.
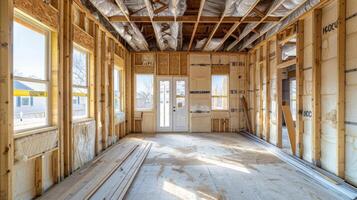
{"x": 196, "y": 24}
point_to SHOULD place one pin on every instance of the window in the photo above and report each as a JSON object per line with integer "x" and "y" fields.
{"x": 117, "y": 90}
{"x": 80, "y": 84}
{"x": 219, "y": 92}
{"x": 31, "y": 78}
{"x": 144, "y": 92}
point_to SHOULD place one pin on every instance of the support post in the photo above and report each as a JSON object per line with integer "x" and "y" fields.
{"x": 6, "y": 107}
{"x": 316, "y": 87}
{"x": 299, "y": 87}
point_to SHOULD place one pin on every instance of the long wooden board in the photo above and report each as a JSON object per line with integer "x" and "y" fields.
{"x": 290, "y": 126}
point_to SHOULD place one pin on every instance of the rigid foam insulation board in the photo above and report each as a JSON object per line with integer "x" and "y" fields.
{"x": 24, "y": 177}
{"x": 273, "y": 94}
{"x": 257, "y": 99}
{"x": 251, "y": 94}
{"x": 264, "y": 97}
{"x": 83, "y": 143}
{"x": 329, "y": 93}
{"x": 351, "y": 95}
{"x": 35, "y": 144}
{"x": 200, "y": 92}
{"x": 307, "y": 89}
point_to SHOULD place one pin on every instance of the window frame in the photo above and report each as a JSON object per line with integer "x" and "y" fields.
{"x": 219, "y": 96}
{"x": 153, "y": 93}
{"x": 37, "y": 27}
{"x": 87, "y": 87}
{"x": 120, "y": 82}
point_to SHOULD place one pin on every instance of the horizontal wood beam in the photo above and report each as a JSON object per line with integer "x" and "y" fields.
{"x": 288, "y": 63}
{"x": 191, "y": 19}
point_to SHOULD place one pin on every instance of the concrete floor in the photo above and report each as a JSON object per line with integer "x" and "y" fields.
{"x": 218, "y": 166}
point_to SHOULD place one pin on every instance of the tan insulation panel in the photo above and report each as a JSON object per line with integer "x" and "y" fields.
{"x": 27, "y": 147}
{"x": 329, "y": 83}
{"x": 218, "y": 59}
{"x": 149, "y": 122}
{"x": 351, "y": 95}
{"x": 200, "y": 122}
{"x": 196, "y": 59}
{"x": 83, "y": 143}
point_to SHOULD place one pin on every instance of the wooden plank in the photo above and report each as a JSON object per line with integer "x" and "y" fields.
{"x": 196, "y": 24}
{"x": 6, "y": 102}
{"x": 87, "y": 179}
{"x": 246, "y": 113}
{"x": 341, "y": 53}
{"x": 285, "y": 64}
{"x": 39, "y": 175}
{"x": 316, "y": 87}
{"x": 300, "y": 87}
{"x": 290, "y": 126}
{"x": 110, "y": 90}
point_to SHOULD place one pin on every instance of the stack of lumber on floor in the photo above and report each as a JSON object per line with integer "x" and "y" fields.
{"x": 107, "y": 177}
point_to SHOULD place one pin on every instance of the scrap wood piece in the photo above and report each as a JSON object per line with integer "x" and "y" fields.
{"x": 290, "y": 126}
{"x": 246, "y": 113}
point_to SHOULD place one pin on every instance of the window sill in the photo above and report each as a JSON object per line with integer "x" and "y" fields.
{"x": 76, "y": 121}
{"x": 25, "y": 133}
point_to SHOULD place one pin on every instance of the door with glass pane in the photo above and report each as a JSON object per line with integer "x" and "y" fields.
{"x": 172, "y": 108}
{"x": 180, "y": 105}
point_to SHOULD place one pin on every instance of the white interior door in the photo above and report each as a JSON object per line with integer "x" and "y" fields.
{"x": 180, "y": 105}
{"x": 172, "y": 105}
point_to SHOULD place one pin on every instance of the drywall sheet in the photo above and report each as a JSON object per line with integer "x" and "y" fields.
{"x": 35, "y": 144}
{"x": 329, "y": 85}
{"x": 351, "y": 94}
{"x": 307, "y": 89}
{"x": 83, "y": 143}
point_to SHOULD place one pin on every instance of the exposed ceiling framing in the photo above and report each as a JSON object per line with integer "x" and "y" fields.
{"x": 208, "y": 25}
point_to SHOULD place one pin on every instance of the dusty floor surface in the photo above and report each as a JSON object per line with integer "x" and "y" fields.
{"x": 218, "y": 166}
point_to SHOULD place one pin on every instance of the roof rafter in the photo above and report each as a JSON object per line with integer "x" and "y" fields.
{"x": 270, "y": 10}
{"x": 235, "y": 25}
{"x": 196, "y": 24}
{"x": 157, "y": 30}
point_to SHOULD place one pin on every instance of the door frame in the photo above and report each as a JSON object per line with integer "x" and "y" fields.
{"x": 172, "y": 80}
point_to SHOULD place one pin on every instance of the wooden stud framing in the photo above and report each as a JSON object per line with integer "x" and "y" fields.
{"x": 196, "y": 24}
{"x": 267, "y": 91}
{"x": 341, "y": 52}
{"x": 279, "y": 95}
{"x": 103, "y": 89}
{"x": 300, "y": 87}
{"x": 316, "y": 87}
{"x": 6, "y": 105}
{"x": 67, "y": 39}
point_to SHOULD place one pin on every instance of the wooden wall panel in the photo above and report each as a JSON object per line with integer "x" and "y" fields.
{"x": 174, "y": 64}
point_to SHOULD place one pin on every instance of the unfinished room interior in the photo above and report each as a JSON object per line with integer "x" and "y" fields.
{"x": 178, "y": 99}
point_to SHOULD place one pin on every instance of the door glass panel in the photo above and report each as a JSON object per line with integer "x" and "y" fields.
{"x": 164, "y": 103}
{"x": 180, "y": 94}
{"x": 180, "y": 88}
